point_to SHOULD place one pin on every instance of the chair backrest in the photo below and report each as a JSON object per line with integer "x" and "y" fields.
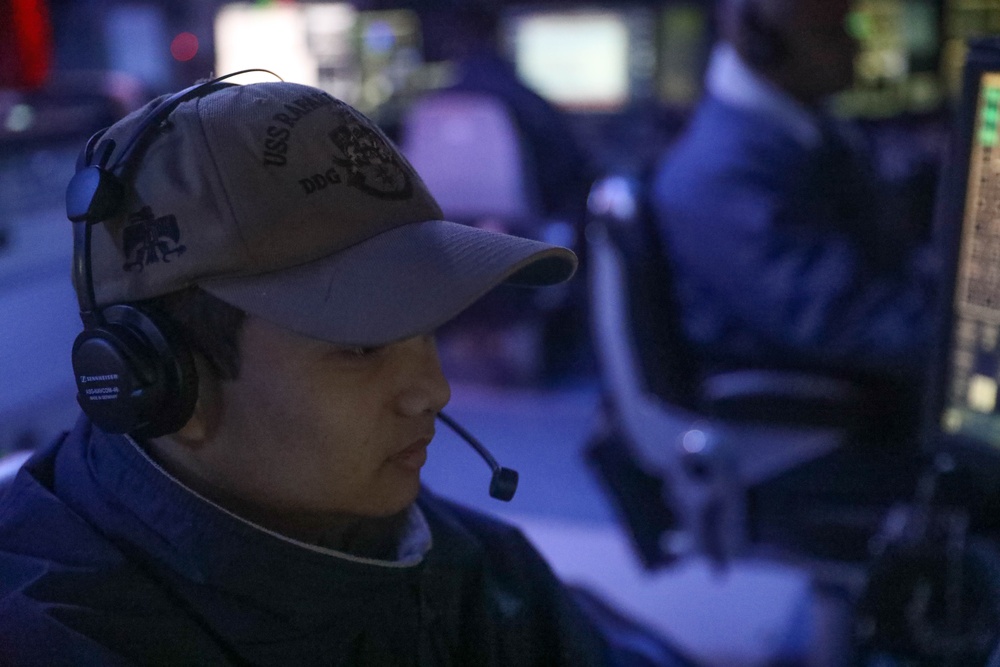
{"x": 650, "y": 420}
{"x": 655, "y": 392}
{"x": 673, "y": 369}
{"x": 667, "y": 363}
{"x": 468, "y": 149}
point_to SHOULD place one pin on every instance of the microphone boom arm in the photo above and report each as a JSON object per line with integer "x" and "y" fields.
{"x": 503, "y": 484}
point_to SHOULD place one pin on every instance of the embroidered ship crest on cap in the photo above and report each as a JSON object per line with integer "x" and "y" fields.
{"x": 148, "y": 239}
{"x": 373, "y": 166}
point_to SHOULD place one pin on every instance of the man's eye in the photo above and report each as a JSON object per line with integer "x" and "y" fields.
{"x": 362, "y": 351}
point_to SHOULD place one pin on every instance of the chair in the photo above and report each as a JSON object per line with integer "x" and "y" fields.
{"x": 770, "y": 463}
{"x": 681, "y": 448}
{"x": 470, "y": 154}
{"x": 680, "y": 451}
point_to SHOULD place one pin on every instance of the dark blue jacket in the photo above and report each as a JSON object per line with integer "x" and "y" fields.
{"x": 782, "y": 254}
{"x": 105, "y": 560}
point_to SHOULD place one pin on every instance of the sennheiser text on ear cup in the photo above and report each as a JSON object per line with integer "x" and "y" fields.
{"x": 135, "y": 374}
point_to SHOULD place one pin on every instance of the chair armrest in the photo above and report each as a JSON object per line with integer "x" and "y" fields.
{"x": 779, "y": 396}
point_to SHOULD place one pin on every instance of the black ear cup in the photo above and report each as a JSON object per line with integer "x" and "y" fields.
{"x": 134, "y": 374}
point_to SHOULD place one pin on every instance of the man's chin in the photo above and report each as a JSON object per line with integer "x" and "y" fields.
{"x": 399, "y": 498}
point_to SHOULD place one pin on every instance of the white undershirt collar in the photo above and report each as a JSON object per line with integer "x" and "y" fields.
{"x": 414, "y": 544}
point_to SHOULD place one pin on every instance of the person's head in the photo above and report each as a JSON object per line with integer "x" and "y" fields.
{"x": 801, "y": 45}
{"x": 302, "y": 265}
{"x": 474, "y": 28}
{"x": 288, "y": 424}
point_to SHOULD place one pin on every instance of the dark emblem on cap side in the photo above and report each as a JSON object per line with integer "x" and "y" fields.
{"x": 149, "y": 240}
{"x": 373, "y": 166}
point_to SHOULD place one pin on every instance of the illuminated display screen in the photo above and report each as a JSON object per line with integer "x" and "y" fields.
{"x": 683, "y": 53}
{"x": 305, "y": 43}
{"x": 362, "y": 57}
{"x": 971, "y": 407}
{"x": 964, "y": 20}
{"x": 388, "y": 48}
{"x": 579, "y": 60}
{"x": 896, "y": 66}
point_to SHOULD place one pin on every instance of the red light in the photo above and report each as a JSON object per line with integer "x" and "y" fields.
{"x": 25, "y": 43}
{"x": 184, "y": 47}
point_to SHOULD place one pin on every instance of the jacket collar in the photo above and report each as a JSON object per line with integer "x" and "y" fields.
{"x": 144, "y": 511}
{"x": 732, "y": 81}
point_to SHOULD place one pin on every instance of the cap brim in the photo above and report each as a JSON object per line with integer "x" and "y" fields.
{"x": 405, "y": 282}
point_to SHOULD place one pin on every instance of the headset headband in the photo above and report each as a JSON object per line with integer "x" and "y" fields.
{"x": 96, "y": 191}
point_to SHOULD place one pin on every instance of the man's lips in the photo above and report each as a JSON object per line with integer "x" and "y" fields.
{"x": 413, "y": 456}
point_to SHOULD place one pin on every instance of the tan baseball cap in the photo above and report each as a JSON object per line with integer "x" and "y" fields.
{"x": 293, "y": 206}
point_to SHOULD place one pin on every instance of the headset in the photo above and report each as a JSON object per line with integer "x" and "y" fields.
{"x": 134, "y": 372}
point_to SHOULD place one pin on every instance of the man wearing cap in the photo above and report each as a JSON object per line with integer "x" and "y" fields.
{"x": 269, "y": 252}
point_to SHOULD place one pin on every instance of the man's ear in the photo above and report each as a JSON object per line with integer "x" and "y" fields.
{"x": 204, "y": 421}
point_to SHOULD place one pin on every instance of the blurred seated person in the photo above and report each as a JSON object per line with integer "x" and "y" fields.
{"x": 772, "y": 219}
{"x": 561, "y": 165}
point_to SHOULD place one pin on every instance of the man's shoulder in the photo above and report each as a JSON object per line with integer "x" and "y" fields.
{"x": 68, "y": 593}
{"x": 466, "y": 537}
{"x": 721, "y": 132}
{"x": 726, "y": 148}
{"x": 41, "y": 536}
{"x": 458, "y": 520}
{"x": 529, "y": 609}
{"x": 46, "y": 543}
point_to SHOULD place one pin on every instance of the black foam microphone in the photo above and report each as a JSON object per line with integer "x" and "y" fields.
{"x": 503, "y": 484}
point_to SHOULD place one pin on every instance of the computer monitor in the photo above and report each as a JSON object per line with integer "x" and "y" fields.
{"x": 683, "y": 47}
{"x": 964, "y": 20}
{"x": 388, "y": 44}
{"x": 964, "y": 405}
{"x": 310, "y": 43}
{"x": 362, "y": 57}
{"x": 583, "y": 59}
{"x": 896, "y": 68}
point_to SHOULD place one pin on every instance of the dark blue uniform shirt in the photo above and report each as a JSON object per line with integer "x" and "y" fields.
{"x": 107, "y": 560}
{"x": 779, "y": 253}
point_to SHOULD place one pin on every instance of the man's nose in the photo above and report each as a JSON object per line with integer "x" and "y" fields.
{"x": 427, "y": 390}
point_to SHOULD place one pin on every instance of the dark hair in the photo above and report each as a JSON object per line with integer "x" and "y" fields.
{"x": 210, "y": 326}
{"x": 470, "y": 28}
